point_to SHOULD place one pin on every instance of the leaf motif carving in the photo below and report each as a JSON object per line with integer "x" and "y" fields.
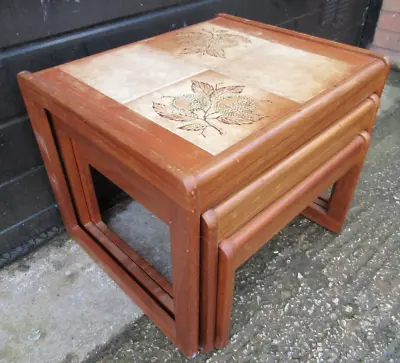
{"x": 202, "y": 87}
{"x": 192, "y": 127}
{"x": 211, "y": 42}
{"x": 192, "y": 34}
{"x": 191, "y": 50}
{"x": 165, "y": 112}
{"x": 247, "y": 120}
{"x": 231, "y": 39}
{"x": 228, "y": 89}
{"x": 193, "y": 38}
{"x": 210, "y": 104}
{"x": 215, "y": 51}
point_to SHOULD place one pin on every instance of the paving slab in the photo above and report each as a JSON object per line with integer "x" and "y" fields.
{"x": 57, "y": 305}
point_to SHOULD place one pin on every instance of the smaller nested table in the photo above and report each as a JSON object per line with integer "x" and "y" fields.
{"x": 225, "y": 130}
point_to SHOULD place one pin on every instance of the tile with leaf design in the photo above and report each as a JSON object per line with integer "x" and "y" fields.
{"x": 206, "y": 44}
{"x": 212, "y": 111}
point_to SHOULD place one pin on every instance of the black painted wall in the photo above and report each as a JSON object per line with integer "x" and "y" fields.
{"x": 38, "y": 34}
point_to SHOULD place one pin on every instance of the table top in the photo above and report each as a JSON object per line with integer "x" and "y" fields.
{"x": 212, "y": 83}
{"x": 216, "y": 92}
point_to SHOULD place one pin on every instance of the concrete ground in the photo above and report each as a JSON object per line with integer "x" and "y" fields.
{"x": 57, "y": 305}
{"x": 307, "y": 296}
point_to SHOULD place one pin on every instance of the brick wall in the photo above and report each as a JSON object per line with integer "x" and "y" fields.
{"x": 387, "y": 35}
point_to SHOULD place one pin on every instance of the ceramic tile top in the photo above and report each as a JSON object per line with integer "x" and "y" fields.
{"x": 212, "y": 85}
{"x": 287, "y": 71}
{"x": 129, "y": 72}
{"x": 212, "y": 111}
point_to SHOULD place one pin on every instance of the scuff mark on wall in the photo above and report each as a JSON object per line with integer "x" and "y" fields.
{"x": 44, "y": 7}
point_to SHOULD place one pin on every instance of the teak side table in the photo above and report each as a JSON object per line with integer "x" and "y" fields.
{"x": 225, "y": 130}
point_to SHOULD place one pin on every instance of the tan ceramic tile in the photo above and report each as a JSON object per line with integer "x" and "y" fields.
{"x": 206, "y": 44}
{"x": 211, "y": 110}
{"x": 130, "y": 72}
{"x": 287, "y": 71}
{"x": 292, "y": 39}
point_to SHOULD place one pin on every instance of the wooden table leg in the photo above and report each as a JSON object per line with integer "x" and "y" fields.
{"x": 185, "y": 241}
{"x": 209, "y": 274}
{"x": 332, "y": 215}
{"x": 226, "y": 284}
{"x": 185, "y": 256}
{"x": 185, "y": 236}
{"x": 342, "y": 195}
{"x": 48, "y": 148}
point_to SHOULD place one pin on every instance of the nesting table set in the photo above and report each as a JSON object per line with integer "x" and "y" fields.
{"x": 225, "y": 130}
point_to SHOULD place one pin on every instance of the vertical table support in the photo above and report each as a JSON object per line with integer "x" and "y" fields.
{"x": 48, "y": 149}
{"x": 54, "y": 142}
{"x": 185, "y": 250}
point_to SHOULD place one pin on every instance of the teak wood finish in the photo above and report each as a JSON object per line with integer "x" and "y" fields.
{"x": 225, "y": 130}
